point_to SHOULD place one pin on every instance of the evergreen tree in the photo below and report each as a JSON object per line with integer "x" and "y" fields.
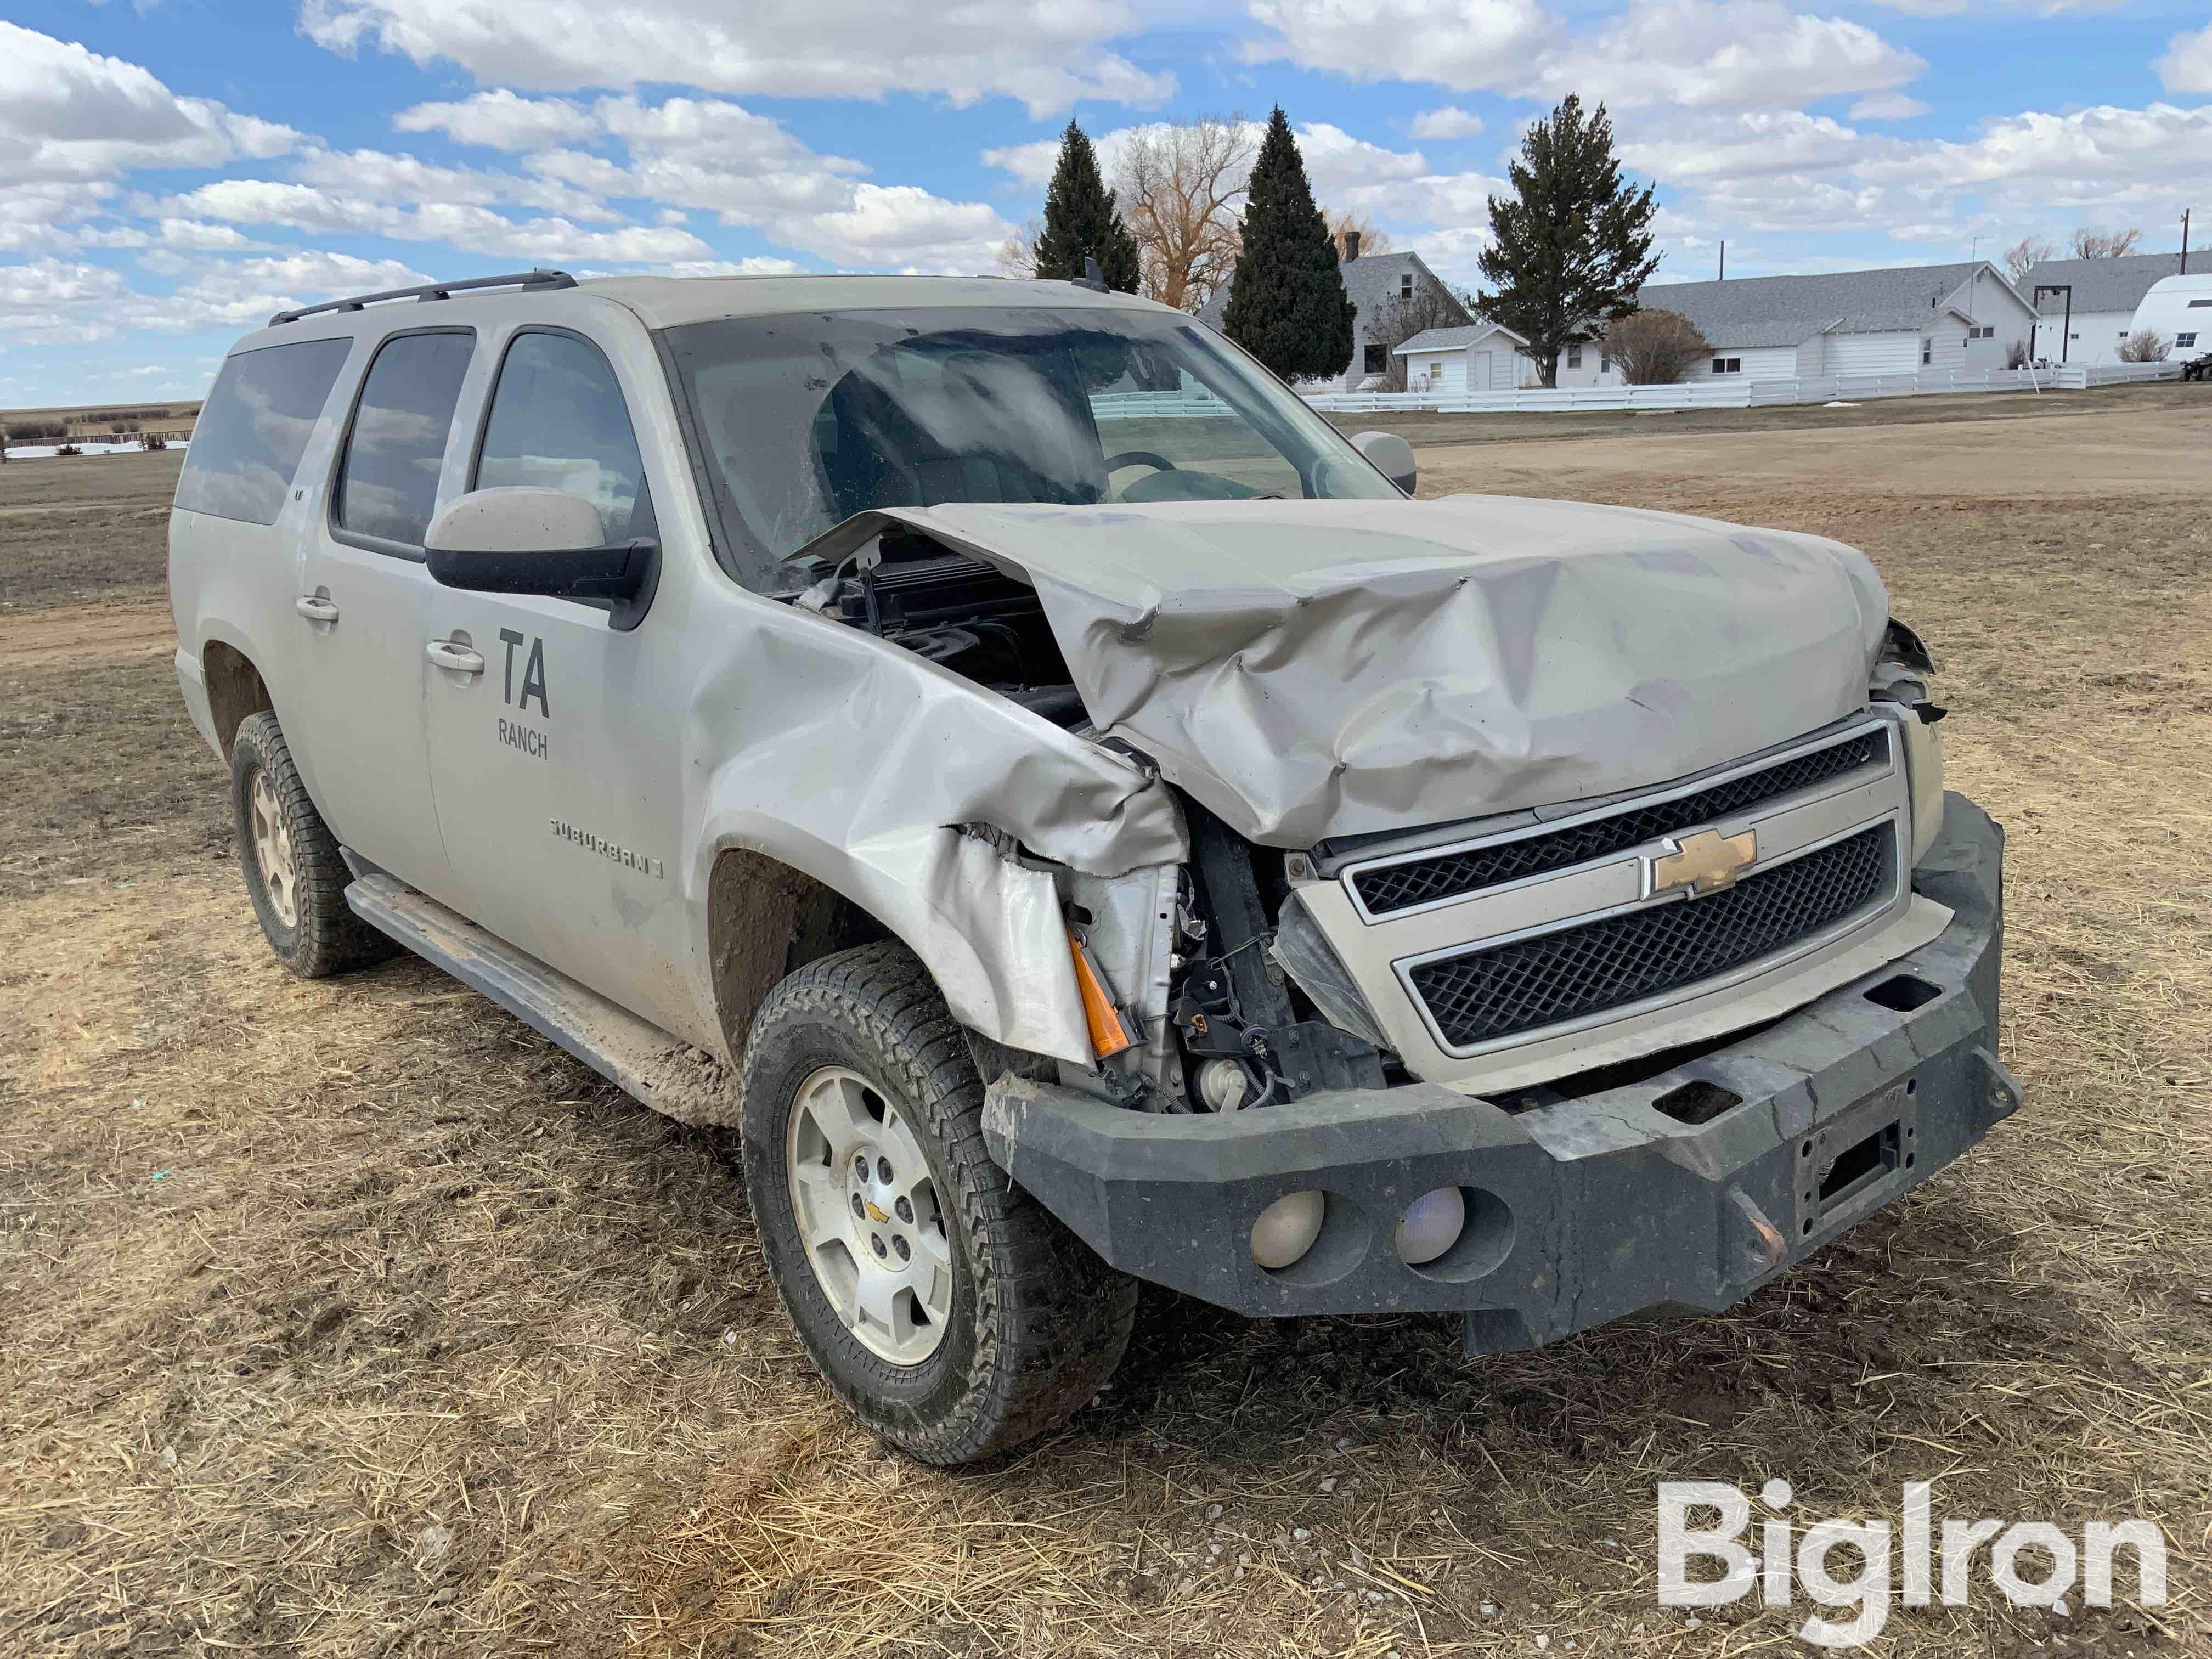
{"x": 1569, "y": 252}
{"x": 1081, "y": 222}
{"x": 1287, "y": 305}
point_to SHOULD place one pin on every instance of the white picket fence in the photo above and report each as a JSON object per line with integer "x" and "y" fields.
{"x": 1740, "y": 394}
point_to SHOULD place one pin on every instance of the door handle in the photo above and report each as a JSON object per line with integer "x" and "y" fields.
{"x": 459, "y": 658}
{"x": 315, "y": 607}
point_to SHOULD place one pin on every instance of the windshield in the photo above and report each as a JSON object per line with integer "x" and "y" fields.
{"x": 803, "y": 421}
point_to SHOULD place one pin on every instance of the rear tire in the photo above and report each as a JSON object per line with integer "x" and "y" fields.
{"x": 861, "y": 1119}
{"x": 293, "y": 868}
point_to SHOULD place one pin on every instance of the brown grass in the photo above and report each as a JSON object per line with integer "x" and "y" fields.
{"x": 351, "y": 1318}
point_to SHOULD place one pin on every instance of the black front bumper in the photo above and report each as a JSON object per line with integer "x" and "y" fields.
{"x": 1580, "y": 1210}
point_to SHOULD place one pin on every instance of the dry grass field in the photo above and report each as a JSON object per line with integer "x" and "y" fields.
{"x": 351, "y": 1318}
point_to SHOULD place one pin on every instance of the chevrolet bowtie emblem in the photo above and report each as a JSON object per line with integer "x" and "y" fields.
{"x": 874, "y": 1214}
{"x": 1704, "y": 862}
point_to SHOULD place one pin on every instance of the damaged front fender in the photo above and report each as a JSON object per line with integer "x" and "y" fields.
{"x": 858, "y": 763}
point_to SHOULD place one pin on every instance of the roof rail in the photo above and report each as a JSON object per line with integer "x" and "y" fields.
{"x": 432, "y": 291}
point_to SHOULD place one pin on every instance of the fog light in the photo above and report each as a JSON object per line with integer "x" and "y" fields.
{"x": 1431, "y": 1225}
{"x": 1286, "y": 1229}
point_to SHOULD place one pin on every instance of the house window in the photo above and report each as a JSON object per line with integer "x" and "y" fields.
{"x": 1987, "y": 332}
{"x": 1728, "y": 365}
{"x": 1377, "y": 361}
{"x": 2184, "y": 339}
{"x": 1604, "y": 364}
{"x": 1436, "y": 371}
{"x": 1406, "y": 286}
{"x": 1574, "y": 356}
{"x": 1927, "y": 351}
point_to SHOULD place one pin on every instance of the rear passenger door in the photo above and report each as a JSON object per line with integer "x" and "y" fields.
{"x": 557, "y": 773}
{"x": 363, "y": 614}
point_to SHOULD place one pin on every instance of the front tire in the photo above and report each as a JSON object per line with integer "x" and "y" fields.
{"x": 293, "y": 868}
{"x": 947, "y": 1308}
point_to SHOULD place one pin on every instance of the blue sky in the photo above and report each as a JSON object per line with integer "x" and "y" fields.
{"x": 172, "y": 171}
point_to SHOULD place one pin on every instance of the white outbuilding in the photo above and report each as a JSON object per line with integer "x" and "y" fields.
{"x": 1481, "y": 357}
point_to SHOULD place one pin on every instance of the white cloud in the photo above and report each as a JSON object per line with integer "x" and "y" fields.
{"x": 1021, "y": 49}
{"x": 51, "y": 300}
{"x": 1706, "y": 54}
{"x": 1797, "y": 172}
{"x": 1726, "y": 54}
{"x": 69, "y": 113}
{"x": 470, "y": 227}
{"x": 1449, "y": 122}
{"x": 2187, "y": 64}
{"x": 501, "y": 119}
{"x": 1756, "y": 141}
{"x": 198, "y": 234}
{"x": 679, "y": 155}
{"x": 902, "y": 228}
{"x": 380, "y": 176}
{"x": 1888, "y": 106}
{"x": 1953, "y": 8}
{"x": 1460, "y": 43}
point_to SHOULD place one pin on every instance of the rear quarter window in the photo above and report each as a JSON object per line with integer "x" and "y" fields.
{"x": 255, "y": 428}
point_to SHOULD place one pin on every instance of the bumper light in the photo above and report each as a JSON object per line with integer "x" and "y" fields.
{"x": 1286, "y": 1229}
{"x": 1432, "y": 1224}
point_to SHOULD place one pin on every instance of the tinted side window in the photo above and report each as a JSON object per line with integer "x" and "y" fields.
{"x": 389, "y": 481}
{"x": 255, "y": 426}
{"x": 558, "y": 422}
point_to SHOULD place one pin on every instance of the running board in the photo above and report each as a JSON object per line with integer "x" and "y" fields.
{"x": 653, "y": 1066}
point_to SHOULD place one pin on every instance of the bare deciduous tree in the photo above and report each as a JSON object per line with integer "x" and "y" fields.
{"x": 2025, "y": 254}
{"x": 1181, "y": 187}
{"x": 2105, "y": 243}
{"x": 2145, "y": 345}
{"x": 1372, "y": 239}
{"x": 1017, "y": 253}
{"x": 1655, "y": 347}
{"x": 2016, "y": 355}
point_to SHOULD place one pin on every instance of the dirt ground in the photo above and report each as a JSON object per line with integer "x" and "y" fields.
{"x": 351, "y": 1318}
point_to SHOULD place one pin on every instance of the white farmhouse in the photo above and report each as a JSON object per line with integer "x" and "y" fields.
{"x": 1964, "y": 318}
{"x": 2106, "y": 292}
{"x": 1483, "y": 357}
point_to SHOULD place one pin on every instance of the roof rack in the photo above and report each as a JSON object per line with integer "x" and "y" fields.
{"x": 547, "y": 279}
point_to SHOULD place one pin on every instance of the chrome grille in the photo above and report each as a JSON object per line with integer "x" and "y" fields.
{"x": 1554, "y": 978}
{"x": 1392, "y": 887}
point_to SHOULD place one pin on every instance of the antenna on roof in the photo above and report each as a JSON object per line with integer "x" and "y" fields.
{"x": 1092, "y": 277}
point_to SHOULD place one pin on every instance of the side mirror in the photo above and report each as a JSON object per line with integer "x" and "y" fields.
{"x": 523, "y": 540}
{"x": 1389, "y": 454}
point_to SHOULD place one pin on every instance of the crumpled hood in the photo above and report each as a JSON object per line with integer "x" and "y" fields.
{"x": 1310, "y": 669}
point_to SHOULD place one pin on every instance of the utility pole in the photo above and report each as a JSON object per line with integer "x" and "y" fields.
{"x": 2185, "y": 241}
{"x": 1723, "y": 275}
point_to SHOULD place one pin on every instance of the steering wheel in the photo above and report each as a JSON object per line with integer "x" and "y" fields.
{"x": 1139, "y": 457}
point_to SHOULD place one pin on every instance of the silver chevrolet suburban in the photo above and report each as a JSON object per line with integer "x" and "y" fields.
{"x": 1078, "y": 820}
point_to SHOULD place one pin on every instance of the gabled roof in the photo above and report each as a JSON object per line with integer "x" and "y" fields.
{"x": 1787, "y": 311}
{"x": 1451, "y": 339}
{"x": 1370, "y": 280}
{"x": 2105, "y": 284}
